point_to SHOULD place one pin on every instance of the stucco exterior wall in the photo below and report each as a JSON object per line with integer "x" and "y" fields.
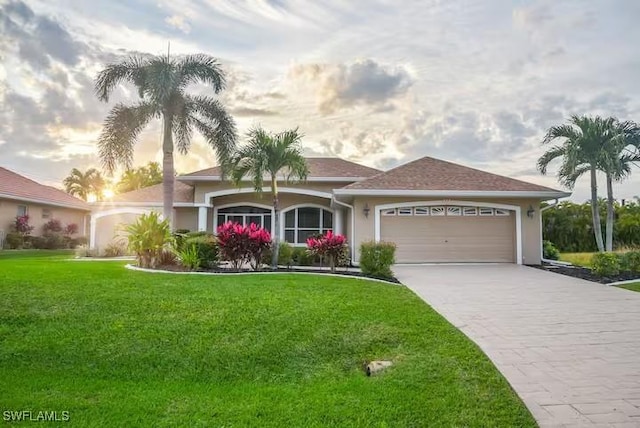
{"x": 9, "y": 211}
{"x": 185, "y": 218}
{"x": 531, "y": 251}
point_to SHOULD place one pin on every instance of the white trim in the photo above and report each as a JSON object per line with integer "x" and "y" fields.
{"x": 457, "y": 193}
{"x": 100, "y": 214}
{"x": 43, "y": 202}
{"x": 280, "y": 179}
{"x": 103, "y": 204}
{"x": 628, "y": 281}
{"x": 242, "y": 204}
{"x": 236, "y": 191}
{"x": 351, "y": 237}
{"x": 202, "y": 219}
{"x": 293, "y": 207}
{"x": 515, "y": 208}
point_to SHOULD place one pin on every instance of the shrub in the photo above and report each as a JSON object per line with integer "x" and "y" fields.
{"x": 38, "y": 242}
{"x": 376, "y": 258}
{"x": 206, "y": 248}
{"x": 148, "y": 237}
{"x": 22, "y": 226}
{"x": 182, "y": 231}
{"x": 331, "y": 246}
{"x": 285, "y": 255}
{"x": 189, "y": 256}
{"x": 630, "y": 261}
{"x": 549, "y": 251}
{"x": 239, "y": 244}
{"x": 84, "y": 251}
{"x": 79, "y": 241}
{"x": 605, "y": 264}
{"x": 14, "y": 241}
{"x": 115, "y": 249}
{"x": 52, "y": 226}
{"x": 301, "y": 257}
{"x": 167, "y": 257}
{"x": 70, "y": 229}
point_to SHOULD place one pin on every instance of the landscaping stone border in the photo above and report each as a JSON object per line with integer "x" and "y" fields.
{"x": 585, "y": 273}
{"x": 347, "y": 274}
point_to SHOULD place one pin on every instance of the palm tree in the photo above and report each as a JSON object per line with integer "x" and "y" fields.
{"x": 144, "y": 176}
{"x": 621, "y": 151}
{"x": 83, "y": 184}
{"x": 272, "y": 156}
{"x": 583, "y": 140}
{"x": 161, "y": 82}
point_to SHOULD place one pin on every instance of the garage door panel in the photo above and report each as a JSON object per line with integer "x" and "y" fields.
{"x": 451, "y": 238}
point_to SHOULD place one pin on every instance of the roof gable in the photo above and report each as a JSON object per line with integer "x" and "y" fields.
{"x": 182, "y": 192}
{"x": 16, "y": 186}
{"x": 429, "y": 173}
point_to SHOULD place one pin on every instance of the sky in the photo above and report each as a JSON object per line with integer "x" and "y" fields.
{"x": 376, "y": 82}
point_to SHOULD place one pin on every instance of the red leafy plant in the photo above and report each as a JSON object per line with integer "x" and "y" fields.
{"x": 22, "y": 225}
{"x": 242, "y": 244}
{"x": 332, "y": 246}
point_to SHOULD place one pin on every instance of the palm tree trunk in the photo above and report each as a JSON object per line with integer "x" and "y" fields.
{"x": 610, "y": 213}
{"x": 595, "y": 211}
{"x": 276, "y": 224}
{"x": 168, "y": 171}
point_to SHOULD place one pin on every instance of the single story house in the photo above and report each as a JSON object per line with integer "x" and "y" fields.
{"x": 435, "y": 211}
{"x": 21, "y": 196}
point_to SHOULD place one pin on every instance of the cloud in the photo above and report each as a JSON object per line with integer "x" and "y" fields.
{"x": 250, "y": 112}
{"x": 347, "y": 85}
{"x": 179, "y": 22}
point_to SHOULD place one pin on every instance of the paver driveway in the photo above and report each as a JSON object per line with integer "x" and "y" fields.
{"x": 570, "y": 348}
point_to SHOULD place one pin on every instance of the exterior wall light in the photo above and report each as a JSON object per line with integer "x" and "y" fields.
{"x": 366, "y": 210}
{"x": 530, "y": 211}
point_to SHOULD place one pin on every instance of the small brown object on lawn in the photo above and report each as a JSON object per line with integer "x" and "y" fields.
{"x": 376, "y": 366}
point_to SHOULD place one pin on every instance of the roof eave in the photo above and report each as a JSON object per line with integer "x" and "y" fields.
{"x": 537, "y": 194}
{"x": 138, "y": 204}
{"x": 43, "y": 202}
{"x": 309, "y": 179}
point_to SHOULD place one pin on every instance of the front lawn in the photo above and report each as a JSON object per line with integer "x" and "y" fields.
{"x": 633, "y": 287}
{"x": 120, "y": 348}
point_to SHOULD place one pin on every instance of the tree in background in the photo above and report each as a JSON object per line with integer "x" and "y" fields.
{"x": 161, "y": 83}
{"x": 82, "y": 184}
{"x": 138, "y": 178}
{"x": 274, "y": 156}
{"x": 581, "y": 151}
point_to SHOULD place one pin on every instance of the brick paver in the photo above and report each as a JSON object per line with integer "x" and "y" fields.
{"x": 570, "y": 348}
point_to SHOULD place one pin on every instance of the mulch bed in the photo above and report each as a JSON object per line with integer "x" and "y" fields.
{"x": 585, "y": 273}
{"x": 178, "y": 268}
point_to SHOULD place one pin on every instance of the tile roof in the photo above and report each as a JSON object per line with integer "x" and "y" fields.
{"x": 318, "y": 168}
{"x": 182, "y": 193}
{"x": 428, "y": 173}
{"x": 13, "y": 185}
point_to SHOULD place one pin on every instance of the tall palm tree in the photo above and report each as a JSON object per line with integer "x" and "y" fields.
{"x": 162, "y": 82}
{"x": 144, "y": 176}
{"x": 270, "y": 156}
{"x": 621, "y": 151}
{"x": 583, "y": 142}
{"x": 83, "y": 184}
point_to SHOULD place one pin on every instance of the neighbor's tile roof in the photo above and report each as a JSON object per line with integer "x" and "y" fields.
{"x": 13, "y": 185}
{"x": 318, "y": 168}
{"x": 428, "y": 173}
{"x": 182, "y": 193}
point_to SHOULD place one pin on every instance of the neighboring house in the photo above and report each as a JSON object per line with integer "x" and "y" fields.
{"x": 435, "y": 211}
{"x": 21, "y": 196}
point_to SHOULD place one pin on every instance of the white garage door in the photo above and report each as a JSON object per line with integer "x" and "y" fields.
{"x": 450, "y": 234}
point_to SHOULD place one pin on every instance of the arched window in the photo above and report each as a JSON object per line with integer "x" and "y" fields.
{"x": 245, "y": 215}
{"x": 303, "y": 222}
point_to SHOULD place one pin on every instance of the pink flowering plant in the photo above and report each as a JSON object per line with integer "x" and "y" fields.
{"x": 243, "y": 244}
{"x": 331, "y": 246}
{"x": 22, "y": 225}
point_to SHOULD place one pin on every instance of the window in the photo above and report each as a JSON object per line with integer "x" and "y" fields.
{"x": 486, "y": 211}
{"x": 421, "y": 211}
{"x": 389, "y": 212}
{"x": 454, "y": 211}
{"x": 501, "y": 212}
{"x": 22, "y": 210}
{"x": 405, "y": 211}
{"x": 470, "y": 211}
{"x": 305, "y": 222}
{"x": 46, "y": 213}
{"x": 245, "y": 215}
{"x": 437, "y": 211}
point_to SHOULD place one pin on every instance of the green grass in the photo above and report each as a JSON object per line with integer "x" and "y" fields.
{"x": 578, "y": 259}
{"x": 633, "y": 286}
{"x": 121, "y": 348}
